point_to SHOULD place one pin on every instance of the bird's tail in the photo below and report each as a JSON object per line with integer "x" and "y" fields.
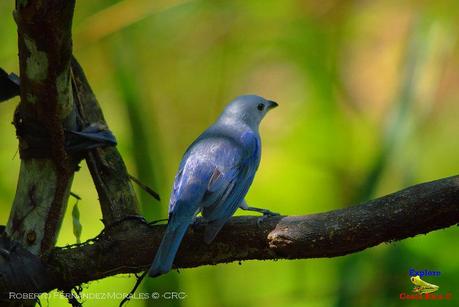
{"x": 168, "y": 249}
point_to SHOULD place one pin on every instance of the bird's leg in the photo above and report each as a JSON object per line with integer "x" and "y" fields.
{"x": 244, "y": 206}
{"x": 266, "y": 213}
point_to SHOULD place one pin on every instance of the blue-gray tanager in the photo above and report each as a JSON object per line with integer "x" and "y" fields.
{"x": 214, "y": 176}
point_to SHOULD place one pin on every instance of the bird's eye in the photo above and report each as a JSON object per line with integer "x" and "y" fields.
{"x": 260, "y": 107}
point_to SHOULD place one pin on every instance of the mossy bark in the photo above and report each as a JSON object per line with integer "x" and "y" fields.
{"x": 45, "y": 49}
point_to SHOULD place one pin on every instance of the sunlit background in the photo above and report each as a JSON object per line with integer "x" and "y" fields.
{"x": 369, "y": 104}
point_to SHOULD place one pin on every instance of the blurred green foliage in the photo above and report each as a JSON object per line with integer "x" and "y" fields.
{"x": 368, "y": 105}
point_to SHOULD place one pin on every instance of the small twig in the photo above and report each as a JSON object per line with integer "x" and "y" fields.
{"x": 131, "y": 293}
{"x": 78, "y": 197}
{"x": 145, "y": 188}
{"x": 72, "y": 299}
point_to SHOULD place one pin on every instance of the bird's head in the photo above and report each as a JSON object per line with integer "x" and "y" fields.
{"x": 248, "y": 109}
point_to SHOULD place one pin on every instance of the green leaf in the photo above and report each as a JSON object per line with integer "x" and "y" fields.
{"x": 76, "y": 222}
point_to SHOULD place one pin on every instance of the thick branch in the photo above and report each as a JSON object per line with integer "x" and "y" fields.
{"x": 116, "y": 194}
{"x": 415, "y": 210}
{"x": 46, "y": 108}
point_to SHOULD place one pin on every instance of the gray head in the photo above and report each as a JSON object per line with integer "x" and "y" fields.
{"x": 247, "y": 109}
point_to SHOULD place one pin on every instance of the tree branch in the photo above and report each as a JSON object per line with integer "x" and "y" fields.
{"x": 116, "y": 194}
{"x": 416, "y": 210}
{"x": 46, "y": 108}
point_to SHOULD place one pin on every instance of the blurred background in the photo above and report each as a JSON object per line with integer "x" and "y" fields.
{"x": 369, "y": 104}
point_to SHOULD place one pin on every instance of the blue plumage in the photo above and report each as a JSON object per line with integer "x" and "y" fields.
{"x": 214, "y": 176}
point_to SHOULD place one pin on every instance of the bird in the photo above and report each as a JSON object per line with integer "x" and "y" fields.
{"x": 214, "y": 176}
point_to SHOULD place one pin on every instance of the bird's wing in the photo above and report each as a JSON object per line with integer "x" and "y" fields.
{"x": 233, "y": 187}
{"x": 203, "y": 174}
{"x": 211, "y": 172}
{"x": 177, "y": 183}
{"x": 197, "y": 176}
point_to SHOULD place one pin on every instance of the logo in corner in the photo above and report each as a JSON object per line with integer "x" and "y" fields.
{"x": 424, "y": 290}
{"x": 421, "y": 286}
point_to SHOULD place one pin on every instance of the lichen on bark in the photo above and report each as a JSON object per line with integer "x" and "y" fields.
{"x": 37, "y": 61}
{"x": 33, "y": 195}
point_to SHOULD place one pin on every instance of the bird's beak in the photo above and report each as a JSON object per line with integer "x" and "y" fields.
{"x": 272, "y": 104}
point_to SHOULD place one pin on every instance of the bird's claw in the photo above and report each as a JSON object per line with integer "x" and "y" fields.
{"x": 261, "y": 220}
{"x": 266, "y": 214}
{"x": 270, "y": 213}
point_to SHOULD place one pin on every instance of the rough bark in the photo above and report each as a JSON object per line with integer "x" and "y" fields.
{"x": 46, "y": 108}
{"x": 116, "y": 194}
{"x": 416, "y": 210}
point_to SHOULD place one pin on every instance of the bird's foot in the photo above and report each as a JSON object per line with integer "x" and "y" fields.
{"x": 260, "y": 210}
{"x": 266, "y": 214}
